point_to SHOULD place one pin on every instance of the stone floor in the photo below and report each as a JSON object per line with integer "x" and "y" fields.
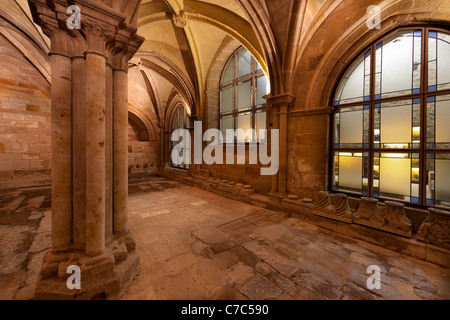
{"x": 197, "y": 245}
{"x": 25, "y": 226}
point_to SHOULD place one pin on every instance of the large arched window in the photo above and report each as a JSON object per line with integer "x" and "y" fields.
{"x": 243, "y": 88}
{"x": 392, "y": 120}
{"x": 181, "y": 121}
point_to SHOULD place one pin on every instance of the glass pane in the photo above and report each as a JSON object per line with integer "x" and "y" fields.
{"x": 244, "y": 63}
{"x": 350, "y": 172}
{"x": 181, "y": 117}
{"x": 397, "y": 124}
{"x": 227, "y": 123}
{"x": 244, "y": 95}
{"x": 355, "y": 86}
{"x": 175, "y": 122}
{"x": 397, "y": 176}
{"x": 261, "y": 90}
{"x": 244, "y": 122}
{"x": 228, "y": 73}
{"x": 438, "y": 128}
{"x": 438, "y": 175}
{"x": 438, "y": 58}
{"x": 260, "y": 119}
{"x": 227, "y": 100}
{"x": 399, "y": 62}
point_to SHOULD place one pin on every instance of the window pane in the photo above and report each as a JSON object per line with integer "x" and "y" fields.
{"x": 355, "y": 86}
{"x": 438, "y": 128}
{"x": 397, "y": 124}
{"x": 351, "y": 172}
{"x": 260, "y": 119}
{"x": 181, "y": 117}
{"x": 227, "y": 100}
{"x": 261, "y": 90}
{"x": 438, "y": 175}
{"x": 244, "y": 63}
{"x": 244, "y": 93}
{"x": 396, "y": 176}
{"x": 438, "y": 58}
{"x": 351, "y": 127}
{"x": 244, "y": 122}
{"x": 398, "y": 59}
{"x": 226, "y": 123}
{"x": 228, "y": 73}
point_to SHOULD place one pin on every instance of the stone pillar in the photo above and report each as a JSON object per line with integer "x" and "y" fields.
{"x": 61, "y": 113}
{"x": 109, "y": 148}
{"x": 83, "y": 82}
{"x": 280, "y": 107}
{"x": 95, "y": 142}
{"x": 79, "y": 143}
{"x": 121, "y": 145}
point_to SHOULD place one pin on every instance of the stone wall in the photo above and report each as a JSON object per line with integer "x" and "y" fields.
{"x": 25, "y": 142}
{"x": 143, "y": 156}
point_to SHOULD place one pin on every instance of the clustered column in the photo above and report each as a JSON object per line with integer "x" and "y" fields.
{"x": 89, "y": 100}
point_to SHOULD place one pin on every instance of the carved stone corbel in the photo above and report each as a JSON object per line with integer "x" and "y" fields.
{"x": 436, "y": 228}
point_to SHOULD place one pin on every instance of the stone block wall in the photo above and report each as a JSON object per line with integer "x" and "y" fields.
{"x": 143, "y": 156}
{"x": 25, "y": 142}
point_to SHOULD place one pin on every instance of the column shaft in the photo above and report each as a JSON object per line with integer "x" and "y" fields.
{"x": 109, "y": 153}
{"x": 120, "y": 152}
{"x": 282, "y": 177}
{"x": 95, "y": 154}
{"x": 79, "y": 151}
{"x": 276, "y": 126}
{"x": 61, "y": 102}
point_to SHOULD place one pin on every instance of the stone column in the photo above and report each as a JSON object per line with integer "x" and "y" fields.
{"x": 61, "y": 113}
{"x": 79, "y": 143}
{"x": 276, "y": 126}
{"x": 82, "y": 147}
{"x": 95, "y": 142}
{"x": 280, "y": 106}
{"x": 121, "y": 144}
{"x": 109, "y": 148}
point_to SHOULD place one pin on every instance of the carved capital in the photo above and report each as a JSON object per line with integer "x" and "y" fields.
{"x": 97, "y": 36}
{"x": 281, "y": 100}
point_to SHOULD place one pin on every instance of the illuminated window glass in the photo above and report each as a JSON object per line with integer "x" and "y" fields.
{"x": 243, "y": 91}
{"x": 391, "y": 124}
{"x": 181, "y": 121}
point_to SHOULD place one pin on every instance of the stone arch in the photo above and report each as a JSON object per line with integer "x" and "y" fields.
{"x": 173, "y": 104}
{"x": 144, "y": 128}
{"x": 324, "y": 69}
{"x": 139, "y": 127}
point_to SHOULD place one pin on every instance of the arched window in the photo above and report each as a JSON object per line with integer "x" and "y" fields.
{"x": 243, "y": 88}
{"x": 181, "y": 121}
{"x": 392, "y": 120}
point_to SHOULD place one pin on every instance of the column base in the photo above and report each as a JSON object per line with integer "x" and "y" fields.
{"x": 104, "y": 277}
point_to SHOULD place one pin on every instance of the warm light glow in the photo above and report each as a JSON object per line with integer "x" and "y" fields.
{"x": 395, "y": 155}
{"x": 396, "y": 146}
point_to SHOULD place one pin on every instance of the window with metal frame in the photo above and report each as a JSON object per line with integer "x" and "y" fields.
{"x": 243, "y": 90}
{"x": 181, "y": 121}
{"x": 391, "y": 124}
